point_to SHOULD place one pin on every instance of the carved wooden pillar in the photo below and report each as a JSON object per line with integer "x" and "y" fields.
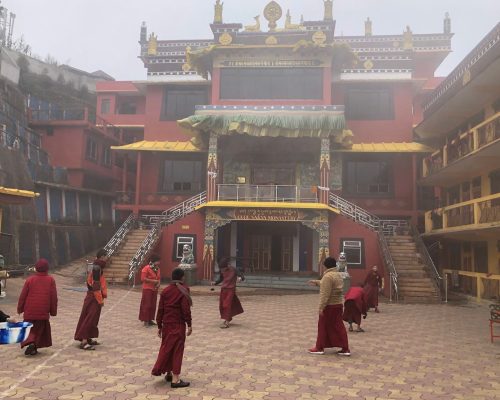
{"x": 212, "y": 223}
{"x": 324, "y": 171}
{"x": 212, "y": 168}
{"x": 323, "y": 229}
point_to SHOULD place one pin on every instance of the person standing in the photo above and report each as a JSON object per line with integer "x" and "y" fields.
{"x": 372, "y": 285}
{"x": 229, "y": 304}
{"x": 38, "y": 301}
{"x": 87, "y": 328}
{"x": 354, "y": 306}
{"x": 174, "y": 315}
{"x": 150, "y": 278}
{"x": 331, "y": 329}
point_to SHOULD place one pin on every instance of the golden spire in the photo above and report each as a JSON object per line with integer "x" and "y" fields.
{"x": 152, "y": 45}
{"x": 408, "y": 38}
{"x": 218, "y": 12}
{"x": 368, "y": 27}
{"x": 328, "y": 10}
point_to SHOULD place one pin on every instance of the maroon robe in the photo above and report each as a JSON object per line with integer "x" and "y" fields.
{"x": 38, "y": 301}
{"x": 229, "y": 304}
{"x": 87, "y": 327}
{"x": 331, "y": 329}
{"x": 373, "y": 282}
{"x": 149, "y": 298}
{"x": 174, "y": 313}
{"x": 355, "y": 305}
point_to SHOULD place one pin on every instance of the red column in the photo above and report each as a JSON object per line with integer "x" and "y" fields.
{"x": 124, "y": 173}
{"x": 138, "y": 183}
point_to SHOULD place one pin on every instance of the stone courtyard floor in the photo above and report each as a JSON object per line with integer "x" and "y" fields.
{"x": 426, "y": 352}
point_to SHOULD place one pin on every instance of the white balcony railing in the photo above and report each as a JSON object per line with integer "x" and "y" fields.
{"x": 267, "y": 193}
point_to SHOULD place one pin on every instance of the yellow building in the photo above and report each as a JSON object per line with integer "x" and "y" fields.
{"x": 462, "y": 121}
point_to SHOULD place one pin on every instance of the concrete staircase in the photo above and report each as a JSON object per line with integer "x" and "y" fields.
{"x": 414, "y": 283}
{"x": 118, "y": 269}
{"x": 291, "y": 282}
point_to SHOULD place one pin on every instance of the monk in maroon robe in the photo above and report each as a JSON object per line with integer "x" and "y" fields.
{"x": 372, "y": 285}
{"x": 331, "y": 329}
{"x": 38, "y": 301}
{"x": 87, "y": 328}
{"x": 355, "y": 305}
{"x": 174, "y": 314}
{"x": 150, "y": 277}
{"x": 229, "y": 304}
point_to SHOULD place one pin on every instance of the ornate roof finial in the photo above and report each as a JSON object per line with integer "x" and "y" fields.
{"x": 152, "y": 45}
{"x": 368, "y": 27}
{"x": 273, "y": 12}
{"x": 328, "y": 10}
{"x": 408, "y": 38}
{"x": 218, "y": 12}
{"x": 447, "y": 23}
{"x": 144, "y": 33}
{"x": 288, "y": 22}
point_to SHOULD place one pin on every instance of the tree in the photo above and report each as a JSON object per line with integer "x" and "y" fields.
{"x": 21, "y": 46}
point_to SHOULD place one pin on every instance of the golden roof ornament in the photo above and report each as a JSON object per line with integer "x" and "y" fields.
{"x": 288, "y": 23}
{"x": 218, "y": 12}
{"x": 368, "y": 27}
{"x": 255, "y": 27}
{"x": 152, "y": 45}
{"x": 319, "y": 38}
{"x": 328, "y": 10}
{"x": 271, "y": 40}
{"x": 225, "y": 39}
{"x": 408, "y": 38}
{"x": 273, "y": 12}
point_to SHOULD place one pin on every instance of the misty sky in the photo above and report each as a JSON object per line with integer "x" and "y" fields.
{"x": 103, "y": 34}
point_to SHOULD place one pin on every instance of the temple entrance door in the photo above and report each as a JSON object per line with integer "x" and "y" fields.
{"x": 260, "y": 251}
{"x": 281, "y": 253}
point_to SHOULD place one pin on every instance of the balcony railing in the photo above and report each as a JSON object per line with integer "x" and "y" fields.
{"x": 464, "y": 144}
{"x": 267, "y": 193}
{"x": 484, "y": 210}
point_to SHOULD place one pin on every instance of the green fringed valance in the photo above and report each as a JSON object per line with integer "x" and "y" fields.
{"x": 319, "y": 125}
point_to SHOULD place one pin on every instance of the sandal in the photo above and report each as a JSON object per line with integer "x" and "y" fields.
{"x": 360, "y": 330}
{"x": 224, "y": 325}
{"x": 31, "y": 350}
{"x": 93, "y": 342}
{"x": 87, "y": 346}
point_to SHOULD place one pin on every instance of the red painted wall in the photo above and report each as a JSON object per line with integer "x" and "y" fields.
{"x": 66, "y": 146}
{"x": 400, "y": 129}
{"x": 194, "y": 224}
{"x": 340, "y": 228}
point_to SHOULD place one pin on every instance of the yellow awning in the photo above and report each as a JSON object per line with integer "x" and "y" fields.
{"x": 402, "y": 147}
{"x": 146, "y": 145}
{"x": 18, "y": 192}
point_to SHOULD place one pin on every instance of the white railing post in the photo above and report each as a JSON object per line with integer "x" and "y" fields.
{"x": 276, "y": 194}
{"x": 297, "y": 200}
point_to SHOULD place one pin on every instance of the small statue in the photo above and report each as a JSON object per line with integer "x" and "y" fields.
{"x": 342, "y": 263}
{"x": 254, "y": 28}
{"x": 342, "y": 267}
{"x": 187, "y": 256}
{"x": 288, "y": 23}
{"x": 152, "y": 45}
{"x": 218, "y": 12}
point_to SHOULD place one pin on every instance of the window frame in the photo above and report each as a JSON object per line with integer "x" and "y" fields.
{"x": 178, "y": 243}
{"x": 169, "y": 188}
{"x": 361, "y": 264}
{"x": 389, "y": 161}
{"x": 107, "y": 161}
{"x": 105, "y": 106}
{"x": 91, "y": 152}
{"x": 167, "y": 114}
{"x": 367, "y": 112}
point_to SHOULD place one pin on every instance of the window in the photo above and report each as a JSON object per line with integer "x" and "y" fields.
{"x": 105, "y": 106}
{"x": 127, "y": 108}
{"x": 354, "y": 251}
{"x": 91, "y": 150}
{"x": 106, "y": 157}
{"x": 369, "y": 104}
{"x": 271, "y": 83}
{"x": 180, "y": 103}
{"x": 180, "y": 241}
{"x": 367, "y": 177}
{"x": 181, "y": 176}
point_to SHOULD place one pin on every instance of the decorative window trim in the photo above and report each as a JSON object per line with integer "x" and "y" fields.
{"x": 354, "y": 243}
{"x": 180, "y": 239}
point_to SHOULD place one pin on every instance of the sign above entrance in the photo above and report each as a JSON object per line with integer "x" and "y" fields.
{"x": 263, "y": 214}
{"x": 271, "y": 63}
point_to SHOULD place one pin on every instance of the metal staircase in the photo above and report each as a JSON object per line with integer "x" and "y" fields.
{"x": 157, "y": 222}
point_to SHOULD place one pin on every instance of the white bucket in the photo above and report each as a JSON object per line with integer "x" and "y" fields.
{"x": 11, "y": 333}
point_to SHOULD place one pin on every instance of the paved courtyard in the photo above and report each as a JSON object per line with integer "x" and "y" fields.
{"x": 426, "y": 352}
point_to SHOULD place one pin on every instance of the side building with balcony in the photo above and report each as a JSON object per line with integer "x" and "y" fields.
{"x": 462, "y": 177}
{"x": 275, "y": 146}
{"x": 45, "y": 148}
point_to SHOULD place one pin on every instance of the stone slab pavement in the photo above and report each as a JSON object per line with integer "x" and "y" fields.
{"x": 418, "y": 352}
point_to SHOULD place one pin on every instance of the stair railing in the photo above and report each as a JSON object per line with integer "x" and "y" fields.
{"x": 158, "y": 222}
{"x": 120, "y": 234}
{"x": 426, "y": 258}
{"x": 389, "y": 266}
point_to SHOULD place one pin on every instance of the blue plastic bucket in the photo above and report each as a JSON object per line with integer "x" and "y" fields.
{"x": 11, "y": 333}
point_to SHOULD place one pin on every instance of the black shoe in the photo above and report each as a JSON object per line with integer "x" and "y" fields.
{"x": 30, "y": 350}
{"x": 180, "y": 384}
{"x": 168, "y": 377}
